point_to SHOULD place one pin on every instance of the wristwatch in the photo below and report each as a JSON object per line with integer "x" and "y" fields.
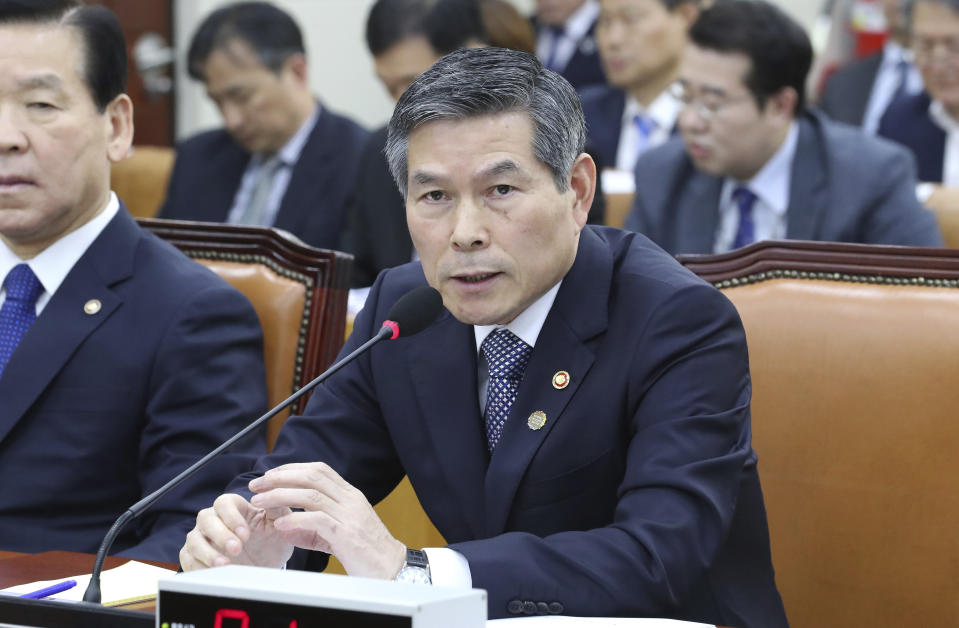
{"x": 416, "y": 569}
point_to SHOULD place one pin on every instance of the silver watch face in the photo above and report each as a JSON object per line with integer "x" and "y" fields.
{"x": 414, "y": 575}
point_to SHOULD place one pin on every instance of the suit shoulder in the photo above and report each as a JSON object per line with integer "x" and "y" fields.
{"x": 667, "y": 157}
{"x": 853, "y": 149}
{"x": 636, "y": 258}
{"x": 205, "y": 143}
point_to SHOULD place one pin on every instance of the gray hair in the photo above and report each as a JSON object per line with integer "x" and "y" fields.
{"x": 475, "y": 82}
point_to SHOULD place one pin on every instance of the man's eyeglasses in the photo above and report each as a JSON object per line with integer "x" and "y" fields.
{"x": 707, "y": 106}
{"x": 924, "y": 48}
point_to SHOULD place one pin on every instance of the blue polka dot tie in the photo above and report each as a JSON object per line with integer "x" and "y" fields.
{"x": 746, "y": 232}
{"x": 19, "y": 309}
{"x": 507, "y": 357}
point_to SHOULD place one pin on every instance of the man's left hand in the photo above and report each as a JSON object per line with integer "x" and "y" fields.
{"x": 336, "y": 518}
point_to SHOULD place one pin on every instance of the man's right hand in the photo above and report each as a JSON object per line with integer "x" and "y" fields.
{"x": 235, "y": 532}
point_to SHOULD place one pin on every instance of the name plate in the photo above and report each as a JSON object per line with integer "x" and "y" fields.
{"x": 256, "y": 597}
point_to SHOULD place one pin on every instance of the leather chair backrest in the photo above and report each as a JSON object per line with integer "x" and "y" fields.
{"x": 948, "y": 220}
{"x": 854, "y": 357}
{"x": 140, "y": 180}
{"x": 299, "y": 294}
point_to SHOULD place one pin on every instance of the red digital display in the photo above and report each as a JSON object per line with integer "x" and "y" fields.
{"x": 242, "y": 616}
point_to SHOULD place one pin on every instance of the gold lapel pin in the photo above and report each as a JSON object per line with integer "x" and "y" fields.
{"x": 537, "y": 420}
{"x": 92, "y": 306}
{"x": 560, "y": 380}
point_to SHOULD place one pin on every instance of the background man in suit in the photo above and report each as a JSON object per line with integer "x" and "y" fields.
{"x": 641, "y": 43}
{"x": 753, "y": 164}
{"x": 283, "y": 159}
{"x": 377, "y": 234}
{"x": 860, "y": 92}
{"x": 611, "y": 472}
{"x": 566, "y": 40}
{"x": 121, "y": 361}
{"x": 928, "y": 123}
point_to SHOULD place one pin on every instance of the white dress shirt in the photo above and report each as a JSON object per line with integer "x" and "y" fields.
{"x": 771, "y": 185}
{"x": 662, "y": 114}
{"x": 574, "y": 31}
{"x": 288, "y": 155}
{"x": 54, "y": 263}
{"x": 886, "y": 83}
{"x": 449, "y": 568}
{"x": 950, "y": 160}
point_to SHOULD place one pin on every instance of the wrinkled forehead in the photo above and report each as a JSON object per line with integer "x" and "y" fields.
{"x": 44, "y": 54}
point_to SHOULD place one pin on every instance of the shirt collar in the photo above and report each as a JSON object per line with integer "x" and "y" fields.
{"x": 893, "y": 53}
{"x": 771, "y": 183}
{"x": 54, "y": 263}
{"x": 528, "y": 324}
{"x": 940, "y": 116}
{"x": 663, "y": 110}
{"x": 581, "y": 20}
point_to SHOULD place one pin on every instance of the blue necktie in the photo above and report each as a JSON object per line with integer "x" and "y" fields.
{"x": 746, "y": 232}
{"x": 19, "y": 309}
{"x": 645, "y": 125}
{"x": 507, "y": 357}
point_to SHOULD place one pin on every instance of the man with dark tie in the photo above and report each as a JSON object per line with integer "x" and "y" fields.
{"x": 754, "y": 163}
{"x": 566, "y": 40}
{"x": 575, "y": 422}
{"x": 122, "y": 361}
{"x": 283, "y": 159}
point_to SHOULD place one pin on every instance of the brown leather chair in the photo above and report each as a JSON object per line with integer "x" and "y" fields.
{"x": 299, "y": 293}
{"x": 140, "y": 179}
{"x": 854, "y": 354}
{"x": 948, "y": 220}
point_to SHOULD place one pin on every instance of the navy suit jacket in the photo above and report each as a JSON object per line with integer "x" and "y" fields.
{"x": 210, "y": 166}
{"x": 847, "y": 91}
{"x": 846, "y": 186}
{"x": 585, "y": 67}
{"x": 639, "y": 496}
{"x": 100, "y": 409}
{"x": 907, "y": 121}
{"x": 603, "y": 107}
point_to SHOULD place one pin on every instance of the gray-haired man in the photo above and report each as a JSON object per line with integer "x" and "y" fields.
{"x": 576, "y": 425}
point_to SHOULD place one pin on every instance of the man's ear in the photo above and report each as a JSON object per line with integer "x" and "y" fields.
{"x": 783, "y": 103}
{"x": 296, "y": 65}
{"x": 582, "y": 183}
{"x": 119, "y": 121}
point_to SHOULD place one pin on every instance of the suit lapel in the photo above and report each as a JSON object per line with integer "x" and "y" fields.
{"x": 64, "y": 324}
{"x": 300, "y": 199}
{"x": 442, "y": 364}
{"x": 807, "y": 188}
{"x": 578, "y": 314}
{"x": 697, "y": 214}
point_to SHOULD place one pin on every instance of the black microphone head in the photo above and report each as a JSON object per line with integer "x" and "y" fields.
{"x": 414, "y": 311}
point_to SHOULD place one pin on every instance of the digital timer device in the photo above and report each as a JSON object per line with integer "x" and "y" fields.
{"x": 255, "y": 597}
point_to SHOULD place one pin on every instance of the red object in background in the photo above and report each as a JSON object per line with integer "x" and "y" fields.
{"x": 868, "y": 43}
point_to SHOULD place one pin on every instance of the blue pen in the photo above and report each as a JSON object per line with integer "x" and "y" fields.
{"x": 53, "y": 589}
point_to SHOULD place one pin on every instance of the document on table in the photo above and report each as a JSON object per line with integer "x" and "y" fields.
{"x": 561, "y": 621}
{"x": 130, "y": 582}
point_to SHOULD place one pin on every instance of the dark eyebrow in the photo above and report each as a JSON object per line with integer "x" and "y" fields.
{"x": 423, "y": 178}
{"x": 42, "y": 81}
{"x": 507, "y": 165}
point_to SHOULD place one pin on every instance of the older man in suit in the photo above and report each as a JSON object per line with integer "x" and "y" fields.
{"x": 753, "y": 164}
{"x": 121, "y": 360}
{"x": 576, "y": 423}
{"x": 283, "y": 159}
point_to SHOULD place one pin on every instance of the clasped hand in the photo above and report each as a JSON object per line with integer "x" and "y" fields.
{"x": 305, "y": 505}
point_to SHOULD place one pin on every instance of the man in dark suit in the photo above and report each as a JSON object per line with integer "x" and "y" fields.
{"x": 928, "y": 123}
{"x": 611, "y": 472}
{"x": 753, "y": 164}
{"x": 640, "y": 43}
{"x": 860, "y": 92}
{"x": 283, "y": 159}
{"x": 566, "y": 40}
{"x": 121, "y": 361}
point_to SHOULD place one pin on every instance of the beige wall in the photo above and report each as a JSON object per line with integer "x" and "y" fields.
{"x": 341, "y": 68}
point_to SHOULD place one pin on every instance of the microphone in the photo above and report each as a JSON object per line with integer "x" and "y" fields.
{"x": 411, "y": 314}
